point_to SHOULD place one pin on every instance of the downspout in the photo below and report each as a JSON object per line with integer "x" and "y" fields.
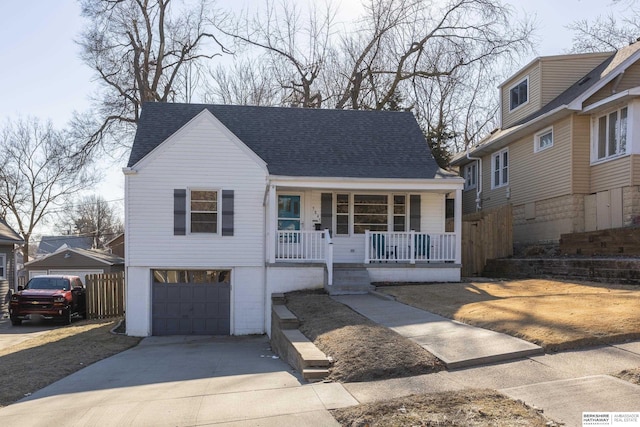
{"x": 267, "y": 301}
{"x": 479, "y": 183}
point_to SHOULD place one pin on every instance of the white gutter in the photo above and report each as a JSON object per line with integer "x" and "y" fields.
{"x": 479, "y": 181}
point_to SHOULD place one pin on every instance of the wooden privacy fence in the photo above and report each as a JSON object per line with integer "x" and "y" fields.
{"x": 486, "y": 235}
{"x": 105, "y": 295}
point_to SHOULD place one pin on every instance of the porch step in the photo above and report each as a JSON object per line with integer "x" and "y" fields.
{"x": 350, "y": 281}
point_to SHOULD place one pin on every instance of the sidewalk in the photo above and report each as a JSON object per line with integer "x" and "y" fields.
{"x": 458, "y": 345}
{"x": 562, "y": 384}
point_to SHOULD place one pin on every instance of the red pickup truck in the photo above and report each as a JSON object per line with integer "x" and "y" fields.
{"x": 49, "y": 297}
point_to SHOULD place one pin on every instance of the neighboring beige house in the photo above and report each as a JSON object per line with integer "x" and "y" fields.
{"x": 567, "y": 155}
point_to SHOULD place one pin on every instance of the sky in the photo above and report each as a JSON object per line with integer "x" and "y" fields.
{"x": 41, "y": 74}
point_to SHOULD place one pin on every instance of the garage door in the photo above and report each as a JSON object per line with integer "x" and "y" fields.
{"x": 192, "y": 302}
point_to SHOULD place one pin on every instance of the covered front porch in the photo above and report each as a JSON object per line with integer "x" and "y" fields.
{"x": 390, "y": 223}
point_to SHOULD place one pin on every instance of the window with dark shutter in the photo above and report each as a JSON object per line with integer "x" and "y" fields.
{"x": 179, "y": 212}
{"x": 227, "y": 212}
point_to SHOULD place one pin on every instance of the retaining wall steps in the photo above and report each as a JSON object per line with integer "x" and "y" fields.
{"x": 291, "y": 344}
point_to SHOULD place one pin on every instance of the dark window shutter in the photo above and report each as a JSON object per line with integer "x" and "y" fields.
{"x": 179, "y": 212}
{"x": 326, "y": 211}
{"x": 414, "y": 212}
{"x": 227, "y": 212}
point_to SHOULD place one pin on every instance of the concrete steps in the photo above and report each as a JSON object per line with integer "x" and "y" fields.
{"x": 350, "y": 281}
{"x": 291, "y": 344}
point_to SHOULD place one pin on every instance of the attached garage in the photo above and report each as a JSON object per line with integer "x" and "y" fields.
{"x": 191, "y": 302}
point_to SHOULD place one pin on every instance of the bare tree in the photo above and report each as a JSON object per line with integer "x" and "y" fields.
{"x": 434, "y": 58}
{"x": 293, "y": 48}
{"x": 92, "y": 216}
{"x": 141, "y": 50}
{"x": 605, "y": 33}
{"x": 246, "y": 82}
{"x": 39, "y": 172}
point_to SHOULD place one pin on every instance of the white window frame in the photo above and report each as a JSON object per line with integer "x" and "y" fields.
{"x": 596, "y": 135}
{"x": 537, "y": 139}
{"x": 524, "y": 80}
{"x": 218, "y": 212}
{"x": 3, "y": 266}
{"x": 502, "y": 169}
{"x": 471, "y": 175}
{"x": 390, "y": 210}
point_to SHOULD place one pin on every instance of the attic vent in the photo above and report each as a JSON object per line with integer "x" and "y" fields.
{"x": 584, "y": 80}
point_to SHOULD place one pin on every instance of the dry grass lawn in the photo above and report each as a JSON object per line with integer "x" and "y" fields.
{"x": 40, "y": 361}
{"x": 364, "y": 351}
{"x": 553, "y": 314}
{"x": 361, "y": 349}
{"x": 469, "y": 408}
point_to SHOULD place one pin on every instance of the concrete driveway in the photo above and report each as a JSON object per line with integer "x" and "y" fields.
{"x": 183, "y": 381}
{"x": 12, "y": 335}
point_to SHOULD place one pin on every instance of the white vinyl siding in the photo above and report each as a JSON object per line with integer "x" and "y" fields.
{"x": 200, "y": 156}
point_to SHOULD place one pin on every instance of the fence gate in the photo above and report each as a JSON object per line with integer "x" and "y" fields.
{"x": 105, "y": 295}
{"x": 486, "y": 235}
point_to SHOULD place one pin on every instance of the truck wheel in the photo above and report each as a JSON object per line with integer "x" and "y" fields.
{"x": 16, "y": 322}
{"x": 67, "y": 318}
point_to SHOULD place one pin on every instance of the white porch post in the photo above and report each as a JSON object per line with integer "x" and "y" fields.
{"x": 272, "y": 215}
{"x": 457, "y": 216}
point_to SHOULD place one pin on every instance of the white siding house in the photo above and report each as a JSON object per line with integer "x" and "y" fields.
{"x": 226, "y": 205}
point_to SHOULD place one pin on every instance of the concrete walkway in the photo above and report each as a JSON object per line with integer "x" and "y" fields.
{"x": 563, "y": 385}
{"x": 458, "y": 345}
{"x": 183, "y": 381}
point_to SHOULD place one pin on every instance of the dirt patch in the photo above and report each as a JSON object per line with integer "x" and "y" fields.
{"x": 631, "y": 375}
{"x": 469, "y": 408}
{"x": 361, "y": 349}
{"x": 554, "y": 314}
{"x": 40, "y": 361}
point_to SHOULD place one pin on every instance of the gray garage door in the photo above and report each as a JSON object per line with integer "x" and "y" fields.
{"x": 187, "y": 308}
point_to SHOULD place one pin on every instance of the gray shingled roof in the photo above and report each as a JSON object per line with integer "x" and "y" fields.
{"x": 50, "y": 244}
{"x": 306, "y": 142}
{"x": 8, "y": 235}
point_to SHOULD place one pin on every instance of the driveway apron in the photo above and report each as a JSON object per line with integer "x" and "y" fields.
{"x": 183, "y": 381}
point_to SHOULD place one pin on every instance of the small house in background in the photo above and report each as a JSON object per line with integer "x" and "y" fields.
{"x": 116, "y": 245}
{"x": 567, "y": 155}
{"x": 229, "y": 204}
{"x": 75, "y": 262}
{"x": 51, "y": 244}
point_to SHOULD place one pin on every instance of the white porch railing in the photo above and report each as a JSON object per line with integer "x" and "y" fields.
{"x": 300, "y": 246}
{"x": 409, "y": 246}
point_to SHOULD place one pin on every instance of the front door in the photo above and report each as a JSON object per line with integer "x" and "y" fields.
{"x": 289, "y": 223}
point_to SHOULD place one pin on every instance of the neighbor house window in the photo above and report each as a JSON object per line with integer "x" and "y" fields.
{"x": 370, "y": 212}
{"x": 519, "y": 94}
{"x": 342, "y": 214}
{"x": 204, "y": 211}
{"x": 611, "y": 134}
{"x": 470, "y": 173}
{"x": 500, "y": 168}
{"x": 543, "y": 139}
{"x": 3, "y": 266}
